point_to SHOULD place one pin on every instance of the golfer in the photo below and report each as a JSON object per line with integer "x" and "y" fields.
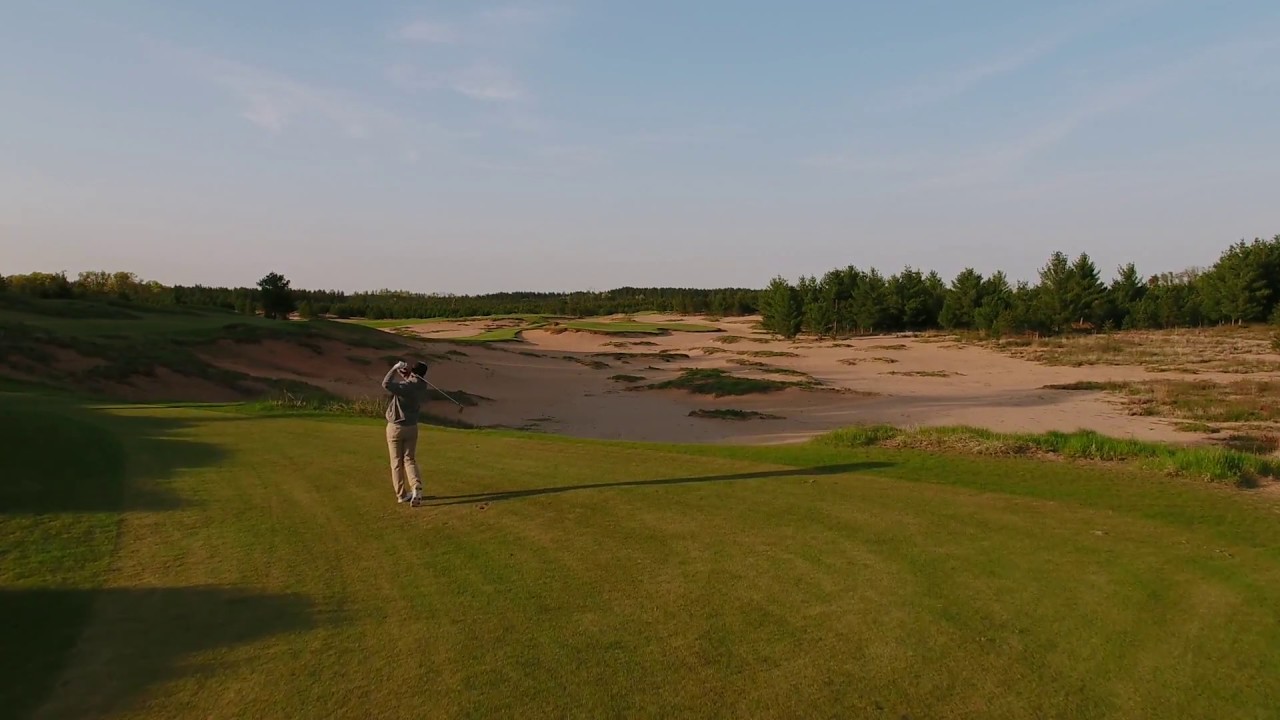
{"x": 408, "y": 388}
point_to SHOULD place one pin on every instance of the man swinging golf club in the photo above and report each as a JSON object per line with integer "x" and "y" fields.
{"x": 408, "y": 388}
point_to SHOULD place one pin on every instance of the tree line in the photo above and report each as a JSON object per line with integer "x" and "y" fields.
{"x": 273, "y": 296}
{"x": 1242, "y": 286}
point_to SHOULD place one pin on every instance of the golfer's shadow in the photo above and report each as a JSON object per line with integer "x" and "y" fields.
{"x": 490, "y": 497}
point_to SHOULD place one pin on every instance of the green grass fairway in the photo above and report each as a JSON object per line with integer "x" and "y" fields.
{"x": 394, "y": 323}
{"x": 163, "y": 562}
{"x": 511, "y": 334}
{"x": 639, "y": 328}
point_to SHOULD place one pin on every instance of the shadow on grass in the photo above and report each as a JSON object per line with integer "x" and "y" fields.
{"x": 64, "y": 456}
{"x": 136, "y": 638}
{"x": 839, "y": 469}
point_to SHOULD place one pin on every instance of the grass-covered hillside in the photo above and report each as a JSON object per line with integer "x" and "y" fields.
{"x": 117, "y": 349}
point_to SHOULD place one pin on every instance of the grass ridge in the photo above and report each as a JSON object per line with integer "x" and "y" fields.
{"x": 1207, "y": 463}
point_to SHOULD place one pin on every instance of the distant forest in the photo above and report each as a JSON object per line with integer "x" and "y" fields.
{"x": 1243, "y": 286}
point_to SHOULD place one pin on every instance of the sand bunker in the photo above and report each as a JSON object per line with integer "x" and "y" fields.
{"x": 594, "y": 385}
{"x": 584, "y": 384}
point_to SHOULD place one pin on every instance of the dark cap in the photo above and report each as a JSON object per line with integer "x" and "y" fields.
{"x": 419, "y": 368}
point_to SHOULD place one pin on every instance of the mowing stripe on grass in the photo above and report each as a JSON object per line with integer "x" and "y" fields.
{"x": 552, "y": 577}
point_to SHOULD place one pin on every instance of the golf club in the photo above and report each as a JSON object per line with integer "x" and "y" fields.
{"x": 461, "y": 407}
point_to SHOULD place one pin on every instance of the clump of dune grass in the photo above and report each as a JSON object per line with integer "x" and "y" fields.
{"x": 924, "y": 373}
{"x": 728, "y": 339}
{"x": 732, "y": 414}
{"x": 1207, "y": 463}
{"x": 860, "y": 360}
{"x": 1088, "y": 386}
{"x": 589, "y": 362}
{"x": 1238, "y": 350}
{"x": 718, "y": 383}
{"x": 626, "y": 378}
{"x": 770, "y": 353}
{"x": 1264, "y": 443}
{"x": 664, "y": 356}
{"x": 1197, "y": 427}
{"x": 368, "y": 407}
{"x": 766, "y": 367}
{"x": 1202, "y": 401}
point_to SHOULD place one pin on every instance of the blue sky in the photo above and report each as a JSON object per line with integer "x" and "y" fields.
{"x": 474, "y": 146}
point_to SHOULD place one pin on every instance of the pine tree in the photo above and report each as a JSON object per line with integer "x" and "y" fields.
{"x": 1126, "y": 291}
{"x": 960, "y": 309}
{"x": 1237, "y": 288}
{"x": 847, "y": 282}
{"x": 1054, "y": 308}
{"x": 820, "y": 304}
{"x": 937, "y": 289}
{"x": 911, "y": 301}
{"x": 997, "y": 299}
{"x": 1085, "y": 292}
{"x": 782, "y": 309}
{"x": 1026, "y": 311}
{"x": 870, "y": 302}
{"x": 275, "y": 296}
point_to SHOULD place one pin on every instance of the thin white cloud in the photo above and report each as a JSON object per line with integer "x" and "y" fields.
{"x": 266, "y": 113}
{"x": 481, "y": 81}
{"x": 275, "y": 102}
{"x": 516, "y": 14}
{"x": 486, "y": 82}
{"x": 431, "y": 33}
{"x": 999, "y": 161}
{"x": 955, "y": 82}
{"x": 483, "y": 50}
{"x": 280, "y": 104}
{"x": 491, "y": 27}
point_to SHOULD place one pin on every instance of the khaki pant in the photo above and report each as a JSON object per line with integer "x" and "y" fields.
{"x": 402, "y": 442}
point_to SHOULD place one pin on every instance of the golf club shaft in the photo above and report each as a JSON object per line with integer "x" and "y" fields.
{"x": 433, "y": 387}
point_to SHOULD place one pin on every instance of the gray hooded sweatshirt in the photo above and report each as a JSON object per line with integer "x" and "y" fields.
{"x": 407, "y": 396}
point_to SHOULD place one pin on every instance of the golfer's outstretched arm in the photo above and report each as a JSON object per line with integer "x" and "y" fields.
{"x": 392, "y": 382}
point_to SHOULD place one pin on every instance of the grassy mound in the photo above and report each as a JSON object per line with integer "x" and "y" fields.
{"x": 718, "y": 383}
{"x": 1203, "y": 401}
{"x": 123, "y": 348}
{"x": 774, "y": 369}
{"x": 1214, "y": 464}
